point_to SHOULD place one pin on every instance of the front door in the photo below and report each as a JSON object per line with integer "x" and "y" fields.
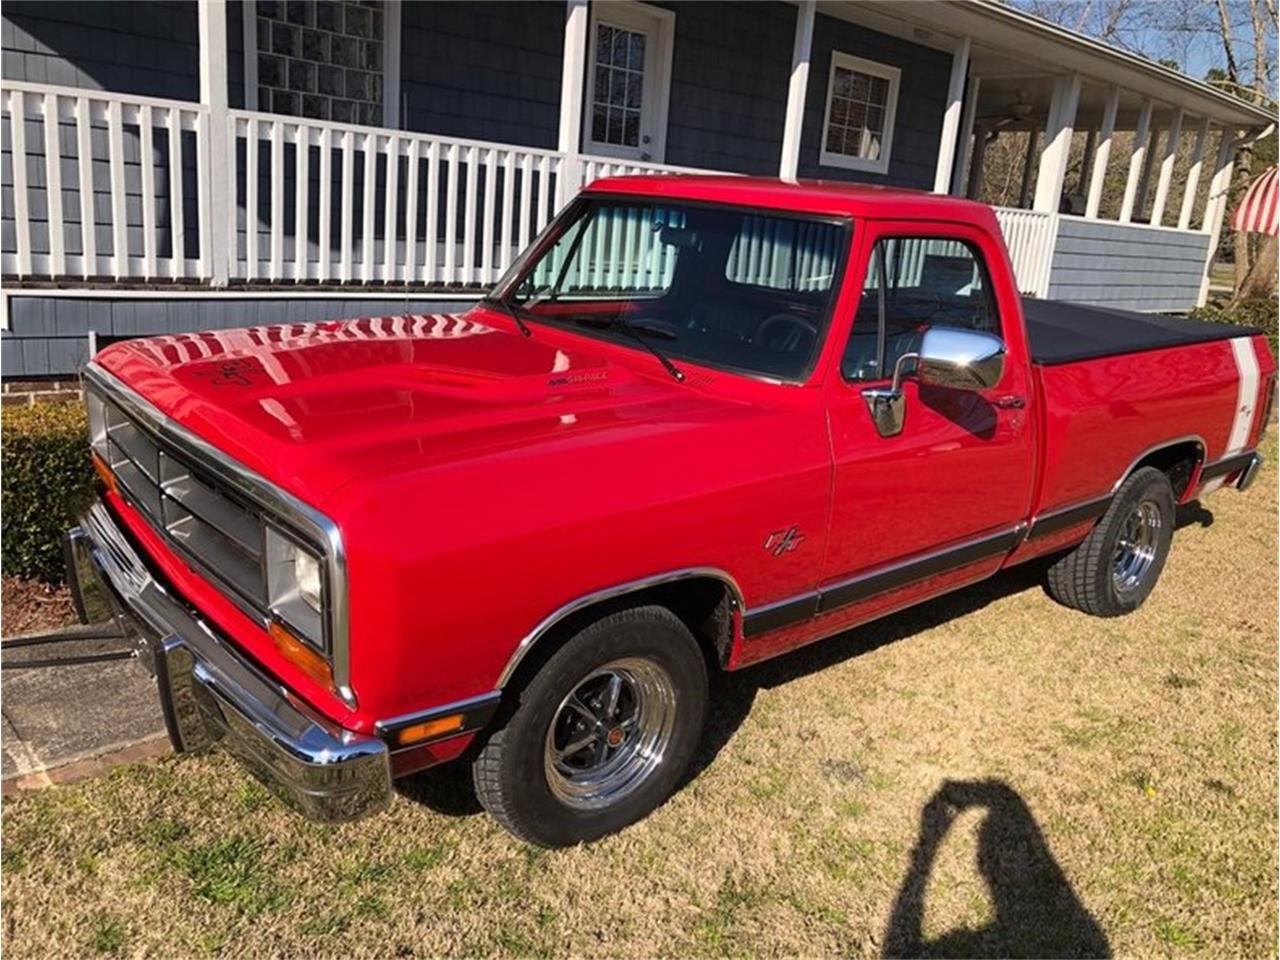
{"x": 941, "y": 502}
{"x": 629, "y": 70}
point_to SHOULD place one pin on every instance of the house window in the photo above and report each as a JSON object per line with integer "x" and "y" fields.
{"x": 320, "y": 59}
{"x": 862, "y": 98}
{"x": 619, "y": 86}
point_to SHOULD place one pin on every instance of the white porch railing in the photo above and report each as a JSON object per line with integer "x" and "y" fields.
{"x": 116, "y": 187}
{"x": 597, "y": 168}
{"x": 85, "y": 205}
{"x": 388, "y": 206}
{"x": 335, "y": 204}
{"x": 1029, "y": 235}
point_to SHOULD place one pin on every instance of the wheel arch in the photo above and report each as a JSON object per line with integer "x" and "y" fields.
{"x": 1179, "y": 459}
{"x": 706, "y": 599}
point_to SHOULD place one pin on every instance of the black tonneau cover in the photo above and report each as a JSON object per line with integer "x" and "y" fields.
{"x": 1066, "y": 332}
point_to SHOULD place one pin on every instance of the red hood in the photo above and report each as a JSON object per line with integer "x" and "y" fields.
{"x": 315, "y": 406}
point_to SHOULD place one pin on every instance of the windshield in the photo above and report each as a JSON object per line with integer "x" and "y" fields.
{"x": 717, "y": 285}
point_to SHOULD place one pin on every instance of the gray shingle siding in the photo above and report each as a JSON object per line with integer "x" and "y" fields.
{"x": 150, "y": 49}
{"x": 483, "y": 71}
{"x": 729, "y": 73}
{"x": 922, "y": 98}
{"x": 1132, "y": 267}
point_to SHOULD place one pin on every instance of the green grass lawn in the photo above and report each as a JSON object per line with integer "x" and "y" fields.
{"x": 987, "y": 774}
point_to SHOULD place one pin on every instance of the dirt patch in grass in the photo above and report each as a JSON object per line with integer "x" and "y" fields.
{"x": 988, "y": 774}
{"x": 31, "y": 606}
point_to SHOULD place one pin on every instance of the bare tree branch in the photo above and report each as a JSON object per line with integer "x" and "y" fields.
{"x": 1083, "y": 19}
{"x": 1224, "y": 23}
{"x": 1259, "y": 51}
{"x": 1118, "y": 9}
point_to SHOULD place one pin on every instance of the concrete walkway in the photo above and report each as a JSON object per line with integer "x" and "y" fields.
{"x": 71, "y": 720}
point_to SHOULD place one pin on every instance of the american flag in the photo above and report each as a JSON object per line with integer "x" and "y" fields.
{"x": 1257, "y": 210}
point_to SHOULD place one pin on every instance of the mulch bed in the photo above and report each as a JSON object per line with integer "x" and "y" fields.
{"x": 29, "y": 606}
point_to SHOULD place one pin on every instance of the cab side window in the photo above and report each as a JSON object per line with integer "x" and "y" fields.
{"x": 912, "y": 284}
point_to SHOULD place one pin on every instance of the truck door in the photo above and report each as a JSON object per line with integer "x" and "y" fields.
{"x": 941, "y": 502}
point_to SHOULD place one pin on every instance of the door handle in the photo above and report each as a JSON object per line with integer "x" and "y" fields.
{"x": 1009, "y": 402}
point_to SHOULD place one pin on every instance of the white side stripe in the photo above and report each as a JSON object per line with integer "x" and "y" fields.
{"x": 1246, "y": 394}
{"x": 1246, "y": 402}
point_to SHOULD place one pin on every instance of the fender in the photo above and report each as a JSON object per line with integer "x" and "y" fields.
{"x": 549, "y": 622}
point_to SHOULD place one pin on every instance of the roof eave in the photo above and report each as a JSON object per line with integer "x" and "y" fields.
{"x": 993, "y": 9}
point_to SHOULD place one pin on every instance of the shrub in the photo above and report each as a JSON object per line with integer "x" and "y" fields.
{"x": 1246, "y": 313}
{"x": 47, "y": 483}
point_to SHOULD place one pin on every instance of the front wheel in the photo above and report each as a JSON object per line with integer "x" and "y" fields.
{"x": 601, "y": 734}
{"x": 1115, "y": 568}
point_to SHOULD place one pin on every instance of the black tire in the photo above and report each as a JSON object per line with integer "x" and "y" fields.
{"x": 511, "y": 771}
{"x": 1086, "y": 578}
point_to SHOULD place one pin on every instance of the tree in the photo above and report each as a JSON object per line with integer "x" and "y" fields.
{"x": 1251, "y": 278}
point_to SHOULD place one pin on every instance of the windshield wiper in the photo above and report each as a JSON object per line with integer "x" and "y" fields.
{"x": 639, "y": 333}
{"x": 512, "y": 311}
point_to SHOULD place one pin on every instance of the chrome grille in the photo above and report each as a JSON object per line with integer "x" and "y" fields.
{"x": 221, "y": 536}
{"x": 228, "y": 522}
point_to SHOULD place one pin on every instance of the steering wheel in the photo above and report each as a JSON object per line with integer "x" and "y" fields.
{"x": 791, "y": 341}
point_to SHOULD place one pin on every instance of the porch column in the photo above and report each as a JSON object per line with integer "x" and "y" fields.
{"x": 1086, "y": 161}
{"x": 1106, "y": 135}
{"x": 793, "y": 123}
{"x": 951, "y": 118}
{"x": 1028, "y": 161}
{"x": 216, "y": 191}
{"x": 1144, "y": 181}
{"x": 1215, "y": 207}
{"x": 1057, "y": 144}
{"x": 1193, "y": 176}
{"x": 961, "y": 174}
{"x": 1141, "y": 135}
{"x": 1166, "y": 168}
{"x": 572, "y": 83}
{"x": 977, "y": 163}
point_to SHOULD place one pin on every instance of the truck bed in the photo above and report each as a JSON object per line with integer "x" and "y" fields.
{"x": 1061, "y": 332}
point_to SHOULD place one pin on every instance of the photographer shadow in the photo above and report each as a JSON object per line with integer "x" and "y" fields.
{"x": 1036, "y": 911}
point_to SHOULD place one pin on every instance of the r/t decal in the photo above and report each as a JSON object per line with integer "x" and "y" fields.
{"x": 783, "y": 541}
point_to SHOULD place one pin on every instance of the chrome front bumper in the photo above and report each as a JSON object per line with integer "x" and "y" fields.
{"x": 211, "y": 693}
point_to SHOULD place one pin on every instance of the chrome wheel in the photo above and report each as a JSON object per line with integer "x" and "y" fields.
{"x": 1136, "y": 547}
{"x": 610, "y": 733}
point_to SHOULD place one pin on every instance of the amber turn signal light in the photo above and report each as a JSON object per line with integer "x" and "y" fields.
{"x": 302, "y": 656}
{"x": 104, "y": 472}
{"x": 417, "y": 732}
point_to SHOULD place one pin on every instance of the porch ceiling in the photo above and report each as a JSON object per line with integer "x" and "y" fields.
{"x": 1014, "y": 51}
{"x": 1021, "y": 102}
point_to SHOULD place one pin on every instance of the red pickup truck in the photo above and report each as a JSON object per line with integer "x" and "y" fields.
{"x": 701, "y": 422}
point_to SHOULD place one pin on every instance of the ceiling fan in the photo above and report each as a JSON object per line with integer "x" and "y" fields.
{"x": 1019, "y": 109}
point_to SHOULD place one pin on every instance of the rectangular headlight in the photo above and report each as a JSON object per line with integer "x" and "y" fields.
{"x": 295, "y": 586}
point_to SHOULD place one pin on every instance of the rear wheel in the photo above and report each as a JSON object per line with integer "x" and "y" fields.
{"x": 601, "y": 734}
{"x": 1114, "y": 569}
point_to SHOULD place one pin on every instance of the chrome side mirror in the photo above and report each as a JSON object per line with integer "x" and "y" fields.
{"x": 948, "y": 357}
{"x": 960, "y": 359}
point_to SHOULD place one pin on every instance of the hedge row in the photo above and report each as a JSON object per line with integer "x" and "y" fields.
{"x": 1249, "y": 313}
{"x": 47, "y": 482}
